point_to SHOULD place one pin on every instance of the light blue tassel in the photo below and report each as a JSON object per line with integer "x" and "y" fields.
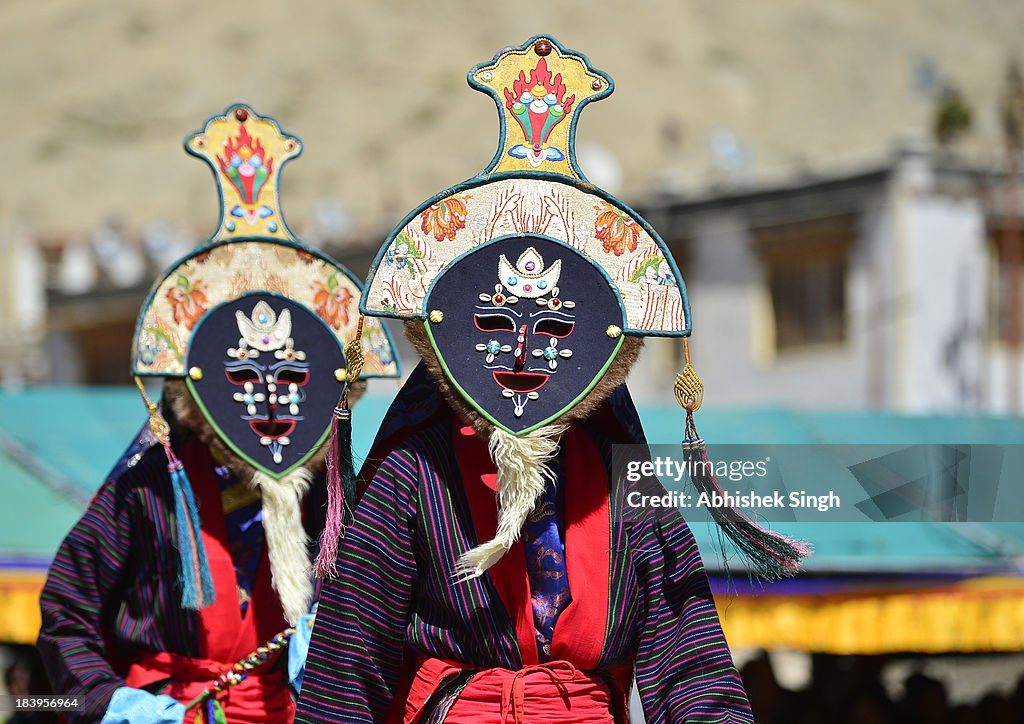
{"x": 194, "y": 594}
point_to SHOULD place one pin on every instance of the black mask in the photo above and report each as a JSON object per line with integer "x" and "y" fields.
{"x": 262, "y": 369}
{"x": 525, "y": 328}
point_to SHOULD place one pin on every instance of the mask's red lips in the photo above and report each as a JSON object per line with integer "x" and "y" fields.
{"x": 520, "y": 381}
{"x": 273, "y": 429}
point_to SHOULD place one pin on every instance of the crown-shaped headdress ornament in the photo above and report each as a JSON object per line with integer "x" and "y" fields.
{"x": 528, "y": 278}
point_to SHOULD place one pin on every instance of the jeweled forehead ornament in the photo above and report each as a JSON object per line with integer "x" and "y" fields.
{"x": 527, "y": 286}
{"x": 256, "y": 324}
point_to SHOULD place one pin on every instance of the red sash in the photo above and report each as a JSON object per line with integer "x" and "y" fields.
{"x": 225, "y": 636}
{"x": 260, "y": 698}
{"x": 555, "y": 691}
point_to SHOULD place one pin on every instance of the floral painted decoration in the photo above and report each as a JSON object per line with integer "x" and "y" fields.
{"x": 617, "y": 231}
{"x": 445, "y": 218}
{"x": 188, "y": 301}
{"x": 332, "y": 300}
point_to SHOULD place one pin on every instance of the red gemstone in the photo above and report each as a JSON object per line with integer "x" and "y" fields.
{"x": 241, "y": 114}
{"x": 542, "y": 48}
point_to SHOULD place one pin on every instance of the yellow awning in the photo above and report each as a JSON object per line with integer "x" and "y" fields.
{"x": 19, "y": 606}
{"x": 974, "y": 615}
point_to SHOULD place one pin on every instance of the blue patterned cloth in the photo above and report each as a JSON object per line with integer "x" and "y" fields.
{"x": 243, "y": 515}
{"x": 544, "y": 543}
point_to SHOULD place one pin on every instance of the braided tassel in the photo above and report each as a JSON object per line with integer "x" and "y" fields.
{"x": 341, "y": 476}
{"x": 773, "y": 555}
{"x": 194, "y": 571}
{"x": 238, "y": 673}
{"x": 211, "y": 712}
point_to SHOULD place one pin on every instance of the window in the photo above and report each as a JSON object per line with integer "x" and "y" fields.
{"x": 1000, "y": 287}
{"x": 805, "y": 265}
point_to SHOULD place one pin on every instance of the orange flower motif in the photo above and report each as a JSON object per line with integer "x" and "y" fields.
{"x": 444, "y": 218}
{"x": 188, "y": 301}
{"x": 332, "y": 301}
{"x": 616, "y": 230}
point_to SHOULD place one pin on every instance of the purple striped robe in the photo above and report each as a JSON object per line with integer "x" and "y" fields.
{"x": 112, "y": 592}
{"x": 394, "y": 602}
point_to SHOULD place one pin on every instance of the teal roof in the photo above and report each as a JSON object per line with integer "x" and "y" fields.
{"x": 860, "y": 547}
{"x": 57, "y": 445}
{"x": 34, "y": 516}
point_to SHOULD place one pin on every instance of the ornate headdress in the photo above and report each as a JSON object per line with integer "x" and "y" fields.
{"x": 256, "y": 323}
{"x": 527, "y": 283}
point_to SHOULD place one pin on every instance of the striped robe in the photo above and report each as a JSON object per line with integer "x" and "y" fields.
{"x": 394, "y": 604}
{"x": 112, "y": 597}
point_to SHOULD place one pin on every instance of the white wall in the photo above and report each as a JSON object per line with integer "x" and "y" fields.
{"x": 946, "y": 299}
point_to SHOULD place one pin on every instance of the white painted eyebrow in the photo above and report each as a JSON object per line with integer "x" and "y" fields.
{"x": 499, "y": 309}
{"x": 552, "y": 311}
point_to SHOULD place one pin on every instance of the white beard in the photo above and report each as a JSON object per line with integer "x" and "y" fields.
{"x": 287, "y": 542}
{"x": 523, "y": 473}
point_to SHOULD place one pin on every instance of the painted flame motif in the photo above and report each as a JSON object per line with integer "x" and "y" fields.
{"x": 246, "y": 166}
{"x": 527, "y": 96}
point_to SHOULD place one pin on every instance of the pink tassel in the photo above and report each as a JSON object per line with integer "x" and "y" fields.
{"x": 340, "y": 488}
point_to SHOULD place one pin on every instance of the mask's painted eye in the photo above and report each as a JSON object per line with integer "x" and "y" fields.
{"x": 553, "y": 327}
{"x": 242, "y": 375}
{"x": 494, "y": 323}
{"x": 297, "y": 377}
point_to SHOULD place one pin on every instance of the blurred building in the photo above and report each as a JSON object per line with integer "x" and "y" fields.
{"x": 887, "y": 287}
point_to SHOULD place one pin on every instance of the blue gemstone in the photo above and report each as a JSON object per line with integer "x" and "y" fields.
{"x": 542, "y": 284}
{"x": 550, "y": 353}
{"x": 272, "y": 227}
{"x": 493, "y": 347}
{"x": 512, "y": 281}
{"x": 229, "y": 225}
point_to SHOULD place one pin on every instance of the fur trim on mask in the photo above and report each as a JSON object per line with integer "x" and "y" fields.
{"x": 287, "y": 542}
